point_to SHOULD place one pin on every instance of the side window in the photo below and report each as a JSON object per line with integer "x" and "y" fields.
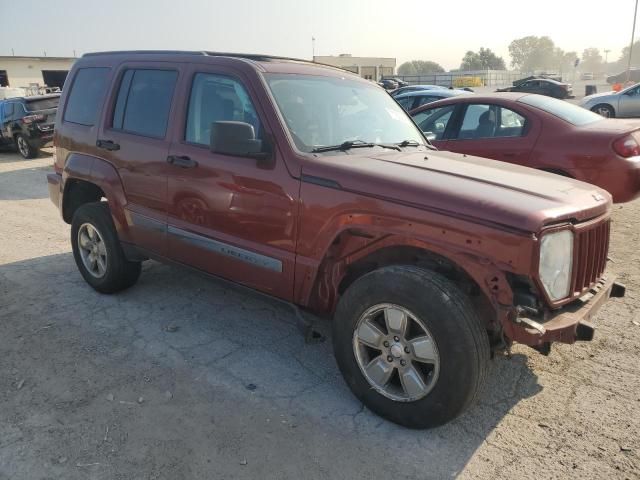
{"x": 406, "y": 102}
{"x": 425, "y": 100}
{"x": 217, "y": 98}
{"x": 474, "y": 116}
{"x": 144, "y": 101}
{"x": 512, "y": 124}
{"x": 8, "y": 109}
{"x": 435, "y": 121}
{"x": 490, "y": 121}
{"x": 86, "y": 96}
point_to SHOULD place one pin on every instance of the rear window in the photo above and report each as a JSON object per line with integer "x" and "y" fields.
{"x": 144, "y": 101}
{"x": 42, "y": 104}
{"x": 86, "y": 96}
{"x": 566, "y": 111}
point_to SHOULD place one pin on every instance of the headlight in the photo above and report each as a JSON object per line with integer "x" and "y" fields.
{"x": 556, "y": 263}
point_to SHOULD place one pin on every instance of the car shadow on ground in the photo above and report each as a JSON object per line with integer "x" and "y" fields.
{"x": 18, "y": 181}
{"x": 225, "y": 342}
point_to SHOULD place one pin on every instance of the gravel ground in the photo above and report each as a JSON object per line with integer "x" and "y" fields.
{"x": 186, "y": 377}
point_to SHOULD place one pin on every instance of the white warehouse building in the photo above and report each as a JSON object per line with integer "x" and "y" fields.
{"x": 30, "y": 72}
{"x": 371, "y": 68}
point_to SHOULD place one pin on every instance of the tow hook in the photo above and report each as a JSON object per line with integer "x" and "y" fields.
{"x": 538, "y": 327}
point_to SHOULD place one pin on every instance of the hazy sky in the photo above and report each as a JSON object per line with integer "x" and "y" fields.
{"x": 441, "y": 31}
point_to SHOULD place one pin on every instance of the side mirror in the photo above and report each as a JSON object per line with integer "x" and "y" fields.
{"x": 439, "y": 127}
{"x": 235, "y": 138}
{"x": 430, "y": 136}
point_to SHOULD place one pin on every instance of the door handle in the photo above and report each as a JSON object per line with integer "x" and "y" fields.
{"x": 181, "y": 161}
{"x": 107, "y": 145}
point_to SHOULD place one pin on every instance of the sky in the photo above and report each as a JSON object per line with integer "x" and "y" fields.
{"x": 409, "y": 29}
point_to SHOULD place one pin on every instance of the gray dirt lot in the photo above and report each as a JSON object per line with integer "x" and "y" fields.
{"x": 235, "y": 393}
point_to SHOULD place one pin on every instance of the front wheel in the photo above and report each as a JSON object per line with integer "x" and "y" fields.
{"x": 24, "y": 147}
{"x": 604, "y": 110}
{"x": 410, "y": 346}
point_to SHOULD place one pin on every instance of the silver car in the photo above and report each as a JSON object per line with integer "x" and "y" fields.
{"x": 625, "y": 103}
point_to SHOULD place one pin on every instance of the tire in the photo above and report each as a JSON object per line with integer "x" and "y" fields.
{"x": 604, "y": 110}
{"x": 24, "y": 147}
{"x": 461, "y": 345}
{"x": 111, "y": 272}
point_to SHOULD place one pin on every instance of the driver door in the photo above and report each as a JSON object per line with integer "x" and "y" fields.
{"x": 231, "y": 216}
{"x": 629, "y": 103}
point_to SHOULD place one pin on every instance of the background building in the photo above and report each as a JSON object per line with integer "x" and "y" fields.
{"x": 25, "y": 72}
{"x": 371, "y": 68}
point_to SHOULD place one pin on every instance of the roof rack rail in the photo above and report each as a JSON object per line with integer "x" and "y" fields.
{"x": 144, "y": 52}
{"x": 249, "y": 56}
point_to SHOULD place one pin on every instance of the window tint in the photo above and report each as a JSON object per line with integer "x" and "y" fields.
{"x": 434, "y": 121}
{"x": 566, "y": 111}
{"x": 217, "y": 98}
{"x": 8, "y": 109}
{"x": 491, "y": 121}
{"x": 85, "y": 98}
{"x": 144, "y": 101}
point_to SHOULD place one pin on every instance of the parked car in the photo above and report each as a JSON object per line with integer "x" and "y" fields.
{"x": 388, "y": 84}
{"x": 539, "y": 132}
{"x": 623, "y": 104}
{"x": 26, "y": 123}
{"x": 414, "y": 99}
{"x": 415, "y": 88}
{"x": 312, "y": 185}
{"x": 399, "y": 81}
{"x": 634, "y": 76}
{"x": 542, "y": 86}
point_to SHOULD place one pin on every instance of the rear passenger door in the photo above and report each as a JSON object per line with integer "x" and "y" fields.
{"x": 135, "y": 137}
{"x": 496, "y": 132}
{"x": 232, "y": 216}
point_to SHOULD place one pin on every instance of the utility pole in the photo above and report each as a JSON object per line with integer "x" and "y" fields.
{"x": 633, "y": 31}
{"x": 606, "y": 56}
{"x": 313, "y": 49}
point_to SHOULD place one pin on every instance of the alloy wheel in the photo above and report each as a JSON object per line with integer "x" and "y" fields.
{"x": 396, "y": 352}
{"x": 92, "y": 250}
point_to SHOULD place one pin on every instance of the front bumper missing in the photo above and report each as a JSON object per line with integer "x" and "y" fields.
{"x": 566, "y": 325}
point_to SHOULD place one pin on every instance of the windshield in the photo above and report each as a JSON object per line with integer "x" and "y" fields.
{"x": 325, "y": 111}
{"x": 567, "y": 111}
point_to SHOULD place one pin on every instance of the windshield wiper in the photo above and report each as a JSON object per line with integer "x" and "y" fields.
{"x": 349, "y": 144}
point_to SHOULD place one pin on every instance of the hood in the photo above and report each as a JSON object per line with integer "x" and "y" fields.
{"x": 464, "y": 186}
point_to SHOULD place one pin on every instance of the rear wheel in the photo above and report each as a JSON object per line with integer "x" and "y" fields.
{"x": 97, "y": 250}
{"x": 410, "y": 346}
{"x": 604, "y": 110}
{"x": 24, "y": 147}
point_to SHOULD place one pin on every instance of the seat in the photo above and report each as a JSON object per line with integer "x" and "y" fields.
{"x": 486, "y": 125}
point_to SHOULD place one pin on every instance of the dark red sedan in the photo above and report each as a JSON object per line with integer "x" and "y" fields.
{"x": 539, "y": 132}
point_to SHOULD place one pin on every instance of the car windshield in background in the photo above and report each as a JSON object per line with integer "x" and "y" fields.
{"x": 324, "y": 111}
{"x": 42, "y": 104}
{"x": 567, "y": 111}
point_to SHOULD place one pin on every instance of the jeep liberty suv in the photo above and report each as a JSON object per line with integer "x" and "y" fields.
{"x": 312, "y": 185}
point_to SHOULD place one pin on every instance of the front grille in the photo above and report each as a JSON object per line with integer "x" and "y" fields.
{"x": 591, "y": 250}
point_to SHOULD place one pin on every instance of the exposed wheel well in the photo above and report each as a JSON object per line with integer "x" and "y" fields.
{"x": 424, "y": 259}
{"x": 76, "y": 194}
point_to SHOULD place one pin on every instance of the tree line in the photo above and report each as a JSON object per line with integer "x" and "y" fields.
{"x": 529, "y": 54}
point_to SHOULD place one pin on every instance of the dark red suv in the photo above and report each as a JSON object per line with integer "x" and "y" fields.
{"x": 313, "y": 185}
